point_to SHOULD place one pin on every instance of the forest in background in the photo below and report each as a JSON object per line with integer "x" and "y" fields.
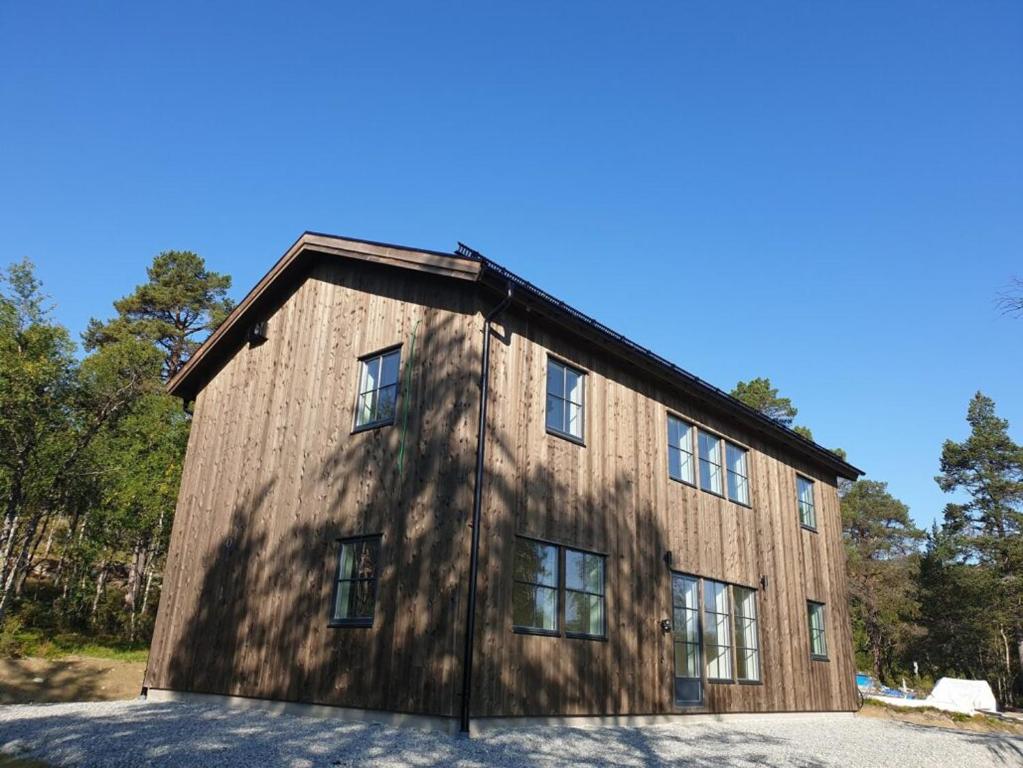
{"x": 91, "y": 449}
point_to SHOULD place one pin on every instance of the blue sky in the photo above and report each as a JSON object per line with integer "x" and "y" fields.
{"x": 828, "y": 194}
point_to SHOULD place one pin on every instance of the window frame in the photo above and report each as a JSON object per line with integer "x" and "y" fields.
{"x": 729, "y": 643}
{"x": 523, "y": 629}
{"x": 811, "y": 606}
{"x": 755, "y": 619}
{"x": 362, "y": 361}
{"x": 691, "y": 430}
{"x": 733, "y": 646}
{"x": 812, "y": 525}
{"x": 602, "y": 635}
{"x": 728, "y": 473}
{"x": 700, "y": 656}
{"x": 721, "y": 465}
{"x": 562, "y": 591}
{"x": 583, "y": 375}
{"x": 357, "y": 621}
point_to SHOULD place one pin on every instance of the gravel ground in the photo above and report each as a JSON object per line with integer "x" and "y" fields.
{"x": 135, "y": 733}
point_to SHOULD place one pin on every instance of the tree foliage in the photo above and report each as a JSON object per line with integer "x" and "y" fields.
{"x": 881, "y": 546}
{"x": 759, "y": 395}
{"x": 181, "y": 303}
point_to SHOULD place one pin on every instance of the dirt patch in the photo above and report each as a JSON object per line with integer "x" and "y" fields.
{"x": 75, "y": 678}
{"x": 938, "y": 719}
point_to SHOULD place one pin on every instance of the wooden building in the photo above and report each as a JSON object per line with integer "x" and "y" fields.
{"x": 643, "y": 543}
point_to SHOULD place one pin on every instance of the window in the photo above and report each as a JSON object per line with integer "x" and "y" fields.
{"x": 378, "y": 390}
{"x": 584, "y": 593}
{"x": 804, "y": 495}
{"x": 564, "y": 400}
{"x": 685, "y": 599}
{"x": 680, "y": 451}
{"x": 747, "y": 647}
{"x": 535, "y": 593}
{"x": 717, "y": 633}
{"x": 710, "y": 463}
{"x": 818, "y": 639}
{"x": 539, "y": 590}
{"x": 738, "y": 478}
{"x": 356, "y": 584}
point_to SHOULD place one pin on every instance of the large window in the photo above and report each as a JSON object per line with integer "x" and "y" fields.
{"x": 710, "y": 463}
{"x": 535, "y": 594}
{"x": 378, "y": 389}
{"x": 747, "y": 644}
{"x": 565, "y": 400}
{"x": 738, "y": 477}
{"x": 680, "y": 451}
{"x": 717, "y": 634}
{"x": 804, "y": 497}
{"x": 356, "y": 584}
{"x": 818, "y": 635}
{"x": 714, "y": 640}
{"x": 549, "y": 579}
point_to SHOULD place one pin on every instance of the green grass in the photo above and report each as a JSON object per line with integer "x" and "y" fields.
{"x": 31, "y": 642}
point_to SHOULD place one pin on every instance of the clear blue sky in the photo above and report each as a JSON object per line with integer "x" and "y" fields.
{"x": 828, "y": 194}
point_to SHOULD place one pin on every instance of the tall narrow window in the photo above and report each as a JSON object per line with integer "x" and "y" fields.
{"x": 680, "y": 451}
{"x": 685, "y": 599}
{"x": 378, "y": 389}
{"x": 717, "y": 634}
{"x": 747, "y": 646}
{"x": 584, "y": 593}
{"x": 535, "y": 591}
{"x": 710, "y": 463}
{"x": 818, "y": 637}
{"x": 564, "y": 399}
{"x": 738, "y": 478}
{"x": 804, "y": 493}
{"x": 356, "y": 584}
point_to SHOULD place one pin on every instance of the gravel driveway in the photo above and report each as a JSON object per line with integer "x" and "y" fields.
{"x": 130, "y": 733}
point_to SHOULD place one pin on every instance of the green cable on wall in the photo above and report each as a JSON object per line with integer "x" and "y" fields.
{"x": 406, "y": 398}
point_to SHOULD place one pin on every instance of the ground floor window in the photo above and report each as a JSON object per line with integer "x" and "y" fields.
{"x": 818, "y": 635}
{"x": 714, "y": 633}
{"x": 558, "y": 589}
{"x": 355, "y": 585}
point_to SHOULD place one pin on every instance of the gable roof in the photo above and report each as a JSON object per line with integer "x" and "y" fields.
{"x": 471, "y": 266}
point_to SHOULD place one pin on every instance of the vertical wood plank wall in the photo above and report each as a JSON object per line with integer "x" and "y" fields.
{"x": 274, "y": 476}
{"x": 614, "y": 496}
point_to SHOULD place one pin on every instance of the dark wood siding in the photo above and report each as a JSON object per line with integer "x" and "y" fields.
{"x": 614, "y": 495}
{"x": 274, "y": 476}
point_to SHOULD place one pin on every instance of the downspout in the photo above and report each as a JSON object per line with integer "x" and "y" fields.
{"x": 477, "y": 503}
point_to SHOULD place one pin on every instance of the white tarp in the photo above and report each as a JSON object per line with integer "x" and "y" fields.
{"x": 962, "y": 695}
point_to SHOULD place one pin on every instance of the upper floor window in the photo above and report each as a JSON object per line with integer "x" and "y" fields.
{"x": 356, "y": 582}
{"x": 804, "y": 497}
{"x": 565, "y": 399}
{"x": 680, "y": 451}
{"x": 378, "y": 389}
{"x": 710, "y": 463}
{"x": 818, "y": 635}
{"x": 738, "y": 477}
{"x": 549, "y": 579}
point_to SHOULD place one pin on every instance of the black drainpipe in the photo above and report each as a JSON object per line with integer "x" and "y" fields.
{"x": 477, "y": 503}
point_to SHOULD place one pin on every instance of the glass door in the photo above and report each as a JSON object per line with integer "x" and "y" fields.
{"x": 685, "y": 635}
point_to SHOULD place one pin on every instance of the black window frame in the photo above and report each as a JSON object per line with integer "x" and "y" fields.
{"x": 525, "y": 629}
{"x": 602, "y": 635}
{"x": 822, "y": 632}
{"x": 729, "y": 637}
{"x": 728, "y": 473}
{"x": 701, "y": 461}
{"x": 356, "y": 621}
{"x": 691, "y": 431}
{"x": 737, "y": 631}
{"x": 812, "y": 525}
{"x": 363, "y": 360}
{"x": 562, "y": 590}
{"x": 579, "y": 439}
